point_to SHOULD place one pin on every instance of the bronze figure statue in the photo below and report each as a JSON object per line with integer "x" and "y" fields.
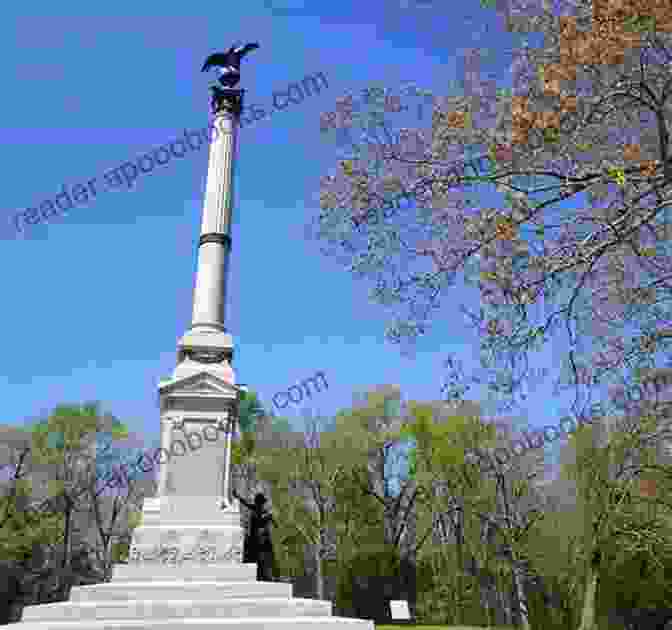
{"x": 258, "y": 545}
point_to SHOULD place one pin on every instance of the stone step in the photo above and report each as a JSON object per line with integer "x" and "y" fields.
{"x": 194, "y": 572}
{"x": 251, "y": 623}
{"x": 183, "y": 609}
{"x": 196, "y": 522}
{"x": 177, "y": 589}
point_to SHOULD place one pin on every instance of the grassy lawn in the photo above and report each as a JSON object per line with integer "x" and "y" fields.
{"x": 436, "y": 627}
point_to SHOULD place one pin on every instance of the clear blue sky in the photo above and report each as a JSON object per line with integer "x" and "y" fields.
{"x": 96, "y": 301}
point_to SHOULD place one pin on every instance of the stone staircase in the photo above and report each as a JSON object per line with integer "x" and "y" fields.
{"x": 214, "y": 595}
{"x": 215, "y": 591}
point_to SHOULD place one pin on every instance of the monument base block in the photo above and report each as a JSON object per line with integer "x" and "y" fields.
{"x": 178, "y": 529}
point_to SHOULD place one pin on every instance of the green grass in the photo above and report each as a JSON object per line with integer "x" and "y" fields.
{"x": 386, "y": 627}
{"x": 393, "y": 627}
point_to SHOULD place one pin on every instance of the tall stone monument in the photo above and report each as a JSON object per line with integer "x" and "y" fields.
{"x": 185, "y": 565}
{"x": 201, "y": 399}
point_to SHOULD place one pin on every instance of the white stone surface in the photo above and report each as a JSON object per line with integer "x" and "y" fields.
{"x": 213, "y": 258}
{"x": 188, "y": 367}
{"x": 193, "y": 409}
{"x": 250, "y": 623}
{"x": 182, "y": 608}
{"x": 179, "y": 589}
{"x": 196, "y": 571}
{"x": 212, "y": 595}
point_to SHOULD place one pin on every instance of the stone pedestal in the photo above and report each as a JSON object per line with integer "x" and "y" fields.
{"x": 193, "y": 518}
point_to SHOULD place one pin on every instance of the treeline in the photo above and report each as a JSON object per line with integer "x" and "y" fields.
{"x": 381, "y": 502}
{"x": 501, "y": 547}
{"x": 59, "y": 526}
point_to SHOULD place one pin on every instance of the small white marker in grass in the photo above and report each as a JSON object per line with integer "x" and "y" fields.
{"x": 399, "y": 609}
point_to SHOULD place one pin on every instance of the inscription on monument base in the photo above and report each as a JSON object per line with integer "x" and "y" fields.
{"x": 165, "y": 554}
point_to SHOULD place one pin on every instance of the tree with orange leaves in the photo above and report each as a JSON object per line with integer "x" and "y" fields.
{"x": 588, "y": 120}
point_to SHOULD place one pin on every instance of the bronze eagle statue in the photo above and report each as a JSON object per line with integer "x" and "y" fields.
{"x": 229, "y": 63}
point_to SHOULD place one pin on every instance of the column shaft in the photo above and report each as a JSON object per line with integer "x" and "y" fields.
{"x": 213, "y": 254}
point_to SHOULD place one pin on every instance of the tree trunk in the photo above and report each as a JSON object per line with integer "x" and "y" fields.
{"x": 319, "y": 577}
{"x": 503, "y": 608}
{"x": 107, "y": 558}
{"x": 485, "y": 603}
{"x": 459, "y": 540}
{"x": 67, "y": 535}
{"x": 588, "y": 613}
{"x": 522, "y": 598}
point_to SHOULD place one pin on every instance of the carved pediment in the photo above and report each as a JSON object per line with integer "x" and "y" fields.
{"x": 200, "y": 384}
{"x": 203, "y": 387}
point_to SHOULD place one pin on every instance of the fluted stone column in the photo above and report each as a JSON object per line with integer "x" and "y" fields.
{"x": 215, "y": 242}
{"x": 207, "y": 335}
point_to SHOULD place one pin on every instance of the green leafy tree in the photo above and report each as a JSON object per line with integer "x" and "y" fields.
{"x": 254, "y": 422}
{"x": 636, "y": 587}
{"x": 22, "y": 526}
{"x": 249, "y": 410}
{"x": 376, "y": 477}
{"x": 92, "y": 456}
{"x": 373, "y": 430}
{"x": 450, "y": 482}
{"x": 613, "y": 474}
{"x": 303, "y": 473}
{"x": 484, "y": 519}
{"x": 553, "y": 553}
{"x": 62, "y": 443}
{"x": 29, "y": 536}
